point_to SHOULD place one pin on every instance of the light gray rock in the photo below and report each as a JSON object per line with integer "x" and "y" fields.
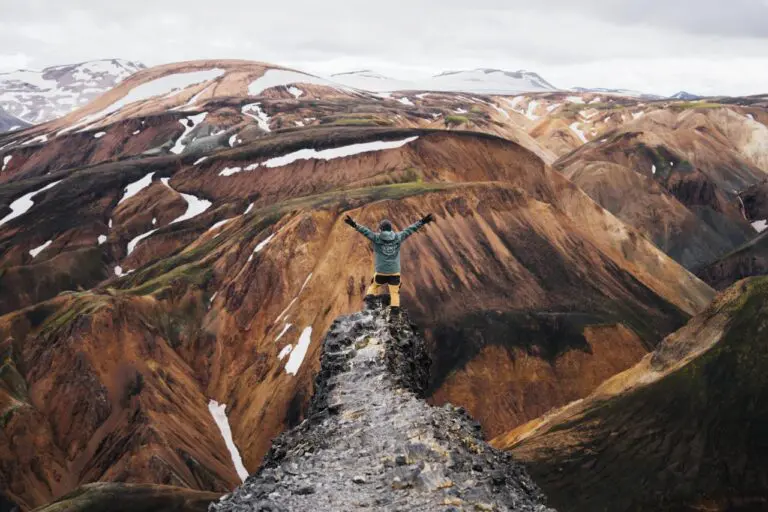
{"x": 371, "y": 441}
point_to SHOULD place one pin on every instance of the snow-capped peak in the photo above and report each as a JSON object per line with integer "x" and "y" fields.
{"x": 40, "y": 96}
{"x": 479, "y": 81}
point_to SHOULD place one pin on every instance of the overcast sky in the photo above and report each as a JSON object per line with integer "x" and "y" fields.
{"x": 657, "y": 46}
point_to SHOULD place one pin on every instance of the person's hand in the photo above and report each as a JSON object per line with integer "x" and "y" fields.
{"x": 429, "y": 218}
{"x": 350, "y": 221}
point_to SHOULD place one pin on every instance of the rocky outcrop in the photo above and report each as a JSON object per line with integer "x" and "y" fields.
{"x": 370, "y": 441}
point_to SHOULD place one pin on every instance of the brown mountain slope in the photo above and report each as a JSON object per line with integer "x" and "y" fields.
{"x": 751, "y": 259}
{"x": 683, "y": 430}
{"x": 700, "y": 157}
{"x": 642, "y": 202}
{"x": 206, "y": 314}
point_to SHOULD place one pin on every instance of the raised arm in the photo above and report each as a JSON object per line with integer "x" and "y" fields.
{"x": 416, "y": 226}
{"x": 367, "y": 233}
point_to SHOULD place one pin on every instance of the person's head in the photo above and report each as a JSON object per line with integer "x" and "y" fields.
{"x": 385, "y": 225}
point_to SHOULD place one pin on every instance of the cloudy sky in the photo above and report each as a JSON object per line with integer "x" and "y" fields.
{"x": 657, "y": 46}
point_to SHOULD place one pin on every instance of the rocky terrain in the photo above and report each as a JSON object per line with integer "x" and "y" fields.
{"x": 173, "y": 253}
{"x": 369, "y": 441}
{"x": 682, "y": 430}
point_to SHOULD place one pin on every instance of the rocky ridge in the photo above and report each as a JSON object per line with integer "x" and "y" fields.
{"x": 370, "y": 440}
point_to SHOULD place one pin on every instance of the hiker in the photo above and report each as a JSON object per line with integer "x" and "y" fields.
{"x": 386, "y": 248}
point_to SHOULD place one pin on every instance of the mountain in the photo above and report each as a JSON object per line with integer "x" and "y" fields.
{"x": 9, "y": 123}
{"x": 39, "y": 96}
{"x": 477, "y": 81}
{"x": 682, "y": 95}
{"x": 675, "y": 174}
{"x": 173, "y": 253}
{"x": 618, "y": 92}
{"x": 684, "y": 429}
{"x": 368, "y": 80}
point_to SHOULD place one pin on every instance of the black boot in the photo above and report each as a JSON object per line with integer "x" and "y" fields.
{"x": 370, "y": 302}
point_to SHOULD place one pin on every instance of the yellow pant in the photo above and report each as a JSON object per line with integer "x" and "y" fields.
{"x": 392, "y": 281}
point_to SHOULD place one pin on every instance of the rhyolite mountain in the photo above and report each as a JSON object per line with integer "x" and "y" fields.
{"x": 177, "y": 245}
{"x": 39, "y": 96}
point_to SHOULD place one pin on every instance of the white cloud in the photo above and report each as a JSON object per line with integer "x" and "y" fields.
{"x": 656, "y": 46}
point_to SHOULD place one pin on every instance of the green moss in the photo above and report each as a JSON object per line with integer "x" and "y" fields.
{"x": 8, "y": 413}
{"x": 695, "y": 104}
{"x": 84, "y": 304}
{"x": 454, "y": 120}
{"x": 12, "y": 380}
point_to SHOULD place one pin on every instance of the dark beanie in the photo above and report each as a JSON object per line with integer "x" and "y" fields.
{"x": 385, "y": 225}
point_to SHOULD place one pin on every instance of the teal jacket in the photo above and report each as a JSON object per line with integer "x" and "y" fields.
{"x": 386, "y": 246}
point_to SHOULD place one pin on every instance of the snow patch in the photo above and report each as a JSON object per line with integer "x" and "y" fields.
{"x": 286, "y": 309}
{"x": 137, "y": 186}
{"x": 285, "y": 329}
{"x": 297, "y": 354}
{"x": 190, "y": 123}
{"x": 531, "y": 112}
{"x": 22, "y": 205}
{"x": 653, "y": 169}
{"x": 637, "y": 115}
{"x": 195, "y": 206}
{"x": 286, "y": 349}
{"x": 575, "y": 99}
{"x": 501, "y": 110}
{"x": 39, "y": 138}
{"x": 6, "y": 159}
{"x": 37, "y": 250}
{"x": 232, "y": 140}
{"x": 219, "y": 413}
{"x": 751, "y": 117}
{"x": 137, "y": 132}
{"x": 163, "y": 86}
{"x": 295, "y": 92}
{"x": 134, "y": 242}
{"x": 229, "y": 171}
{"x": 99, "y": 135}
{"x": 405, "y": 101}
{"x": 261, "y": 245}
{"x": 219, "y": 224}
{"x": 461, "y": 110}
{"x": 200, "y": 160}
{"x": 259, "y": 115}
{"x": 118, "y": 271}
{"x": 340, "y": 152}
{"x": 102, "y": 239}
{"x": 575, "y": 128}
{"x": 281, "y": 77}
{"x": 760, "y": 225}
{"x": 514, "y": 102}
{"x": 306, "y": 281}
